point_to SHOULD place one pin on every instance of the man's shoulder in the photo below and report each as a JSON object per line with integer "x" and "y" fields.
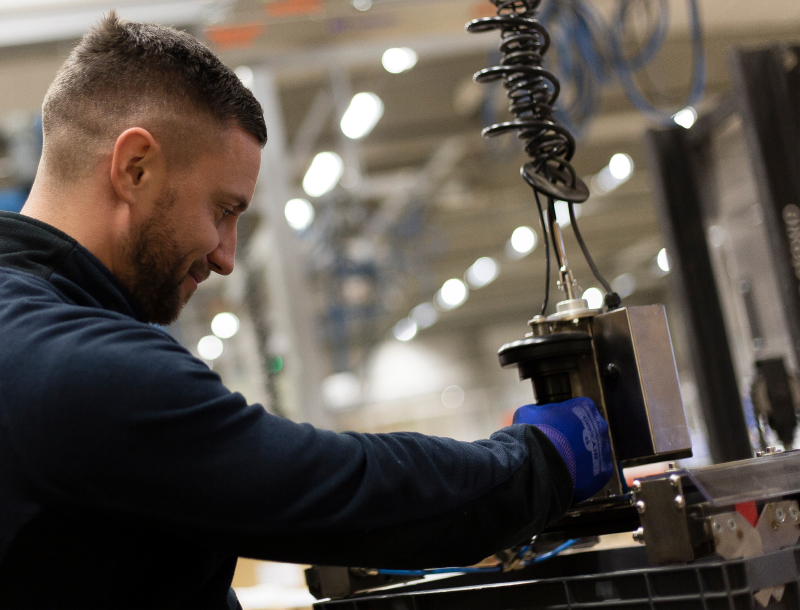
{"x": 29, "y": 303}
{"x": 62, "y": 345}
{"x": 64, "y": 363}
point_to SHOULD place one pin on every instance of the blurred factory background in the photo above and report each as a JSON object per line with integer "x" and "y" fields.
{"x": 390, "y": 250}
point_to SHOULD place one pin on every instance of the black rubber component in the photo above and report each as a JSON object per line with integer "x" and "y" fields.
{"x": 547, "y": 346}
{"x": 548, "y": 361}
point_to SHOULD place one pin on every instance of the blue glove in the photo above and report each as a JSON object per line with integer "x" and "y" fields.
{"x": 580, "y": 434}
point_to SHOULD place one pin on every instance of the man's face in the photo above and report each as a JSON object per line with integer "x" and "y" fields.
{"x": 192, "y": 229}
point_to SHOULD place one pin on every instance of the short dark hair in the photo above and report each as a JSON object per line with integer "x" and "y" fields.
{"x": 124, "y": 74}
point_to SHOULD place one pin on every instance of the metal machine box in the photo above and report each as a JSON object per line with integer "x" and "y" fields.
{"x": 640, "y": 385}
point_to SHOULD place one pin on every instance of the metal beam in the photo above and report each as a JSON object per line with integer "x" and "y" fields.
{"x": 276, "y": 249}
{"x": 679, "y": 201}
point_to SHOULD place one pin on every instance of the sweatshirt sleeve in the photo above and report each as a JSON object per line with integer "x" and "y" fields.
{"x": 125, "y": 420}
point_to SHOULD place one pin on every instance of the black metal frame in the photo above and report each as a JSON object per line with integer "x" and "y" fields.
{"x": 767, "y": 96}
{"x": 677, "y": 163}
{"x": 769, "y": 99}
{"x": 608, "y": 579}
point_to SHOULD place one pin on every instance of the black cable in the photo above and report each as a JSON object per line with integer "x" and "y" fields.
{"x": 551, "y": 221}
{"x": 546, "y": 253}
{"x": 612, "y": 298}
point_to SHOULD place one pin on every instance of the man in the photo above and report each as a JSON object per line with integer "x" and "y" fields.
{"x": 129, "y": 475}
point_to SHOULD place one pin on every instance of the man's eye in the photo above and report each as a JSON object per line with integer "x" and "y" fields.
{"x": 226, "y": 212}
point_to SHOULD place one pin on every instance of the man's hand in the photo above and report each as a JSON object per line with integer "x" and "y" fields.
{"x": 580, "y": 434}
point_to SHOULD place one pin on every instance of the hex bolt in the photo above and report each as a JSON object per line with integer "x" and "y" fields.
{"x": 638, "y": 535}
{"x": 780, "y": 515}
{"x": 717, "y": 527}
{"x": 640, "y": 506}
{"x": 732, "y": 524}
{"x": 680, "y": 503}
{"x": 794, "y": 512}
{"x": 674, "y": 480}
{"x": 636, "y": 486}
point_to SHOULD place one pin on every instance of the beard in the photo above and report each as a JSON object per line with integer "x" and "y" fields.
{"x": 156, "y": 267}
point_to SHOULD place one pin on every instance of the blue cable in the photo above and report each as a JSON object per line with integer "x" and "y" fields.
{"x": 537, "y": 559}
{"x": 555, "y": 551}
{"x": 589, "y": 52}
{"x": 625, "y": 68}
{"x": 656, "y": 40}
{"x": 438, "y": 571}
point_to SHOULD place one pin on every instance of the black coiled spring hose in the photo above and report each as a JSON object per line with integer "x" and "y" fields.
{"x": 532, "y": 91}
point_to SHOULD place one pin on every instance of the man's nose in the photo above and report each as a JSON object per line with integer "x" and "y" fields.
{"x": 222, "y": 257}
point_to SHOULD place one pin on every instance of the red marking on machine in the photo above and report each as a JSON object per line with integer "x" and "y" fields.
{"x": 293, "y": 8}
{"x": 749, "y": 511}
{"x": 237, "y": 35}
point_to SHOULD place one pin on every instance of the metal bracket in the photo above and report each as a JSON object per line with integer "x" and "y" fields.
{"x": 662, "y": 511}
{"x": 734, "y": 537}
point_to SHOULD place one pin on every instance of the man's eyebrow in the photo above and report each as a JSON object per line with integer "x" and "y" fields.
{"x": 241, "y": 204}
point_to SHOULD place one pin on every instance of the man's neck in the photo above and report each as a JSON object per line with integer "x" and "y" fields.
{"x": 78, "y": 210}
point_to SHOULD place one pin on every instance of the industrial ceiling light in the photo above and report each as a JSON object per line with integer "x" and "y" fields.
{"x": 618, "y": 171}
{"x": 325, "y": 172}
{"x": 399, "y": 60}
{"x": 452, "y": 294}
{"x": 210, "y": 347}
{"x": 341, "y": 390}
{"x": 225, "y": 325}
{"x": 299, "y": 214}
{"x": 594, "y": 296}
{"x": 362, "y": 5}
{"x": 686, "y": 117}
{"x": 562, "y": 213}
{"x": 405, "y": 329}
{"x": 363, "y": 113}
{"x": 624, "y": 285}
{"x": 424, "y": 315}
{"x": 523, "y": 240}
{"x": 620, "y": 167}
{"x": 482, "y": 272}
{"x": 662, "y": 260}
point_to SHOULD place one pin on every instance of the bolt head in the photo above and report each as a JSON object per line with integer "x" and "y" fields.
{"x": 640, "y": 507}
{"x": 680, "y": 503}
{"x": 794, "y": 513}
{"x": 732, "y": 525}
{"x": 674, "y": 480}
{"x": 717, "y": 527}
{"x": 780, "y": 515}
{"x": 637, "y": 485}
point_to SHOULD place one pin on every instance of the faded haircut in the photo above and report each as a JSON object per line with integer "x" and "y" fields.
{"x": 123, "y": 74}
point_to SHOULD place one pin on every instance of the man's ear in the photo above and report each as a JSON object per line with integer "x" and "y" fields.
{"x": 138, "y": 166}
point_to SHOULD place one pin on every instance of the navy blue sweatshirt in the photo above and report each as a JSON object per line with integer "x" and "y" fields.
{"x": 131, "y": 477}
